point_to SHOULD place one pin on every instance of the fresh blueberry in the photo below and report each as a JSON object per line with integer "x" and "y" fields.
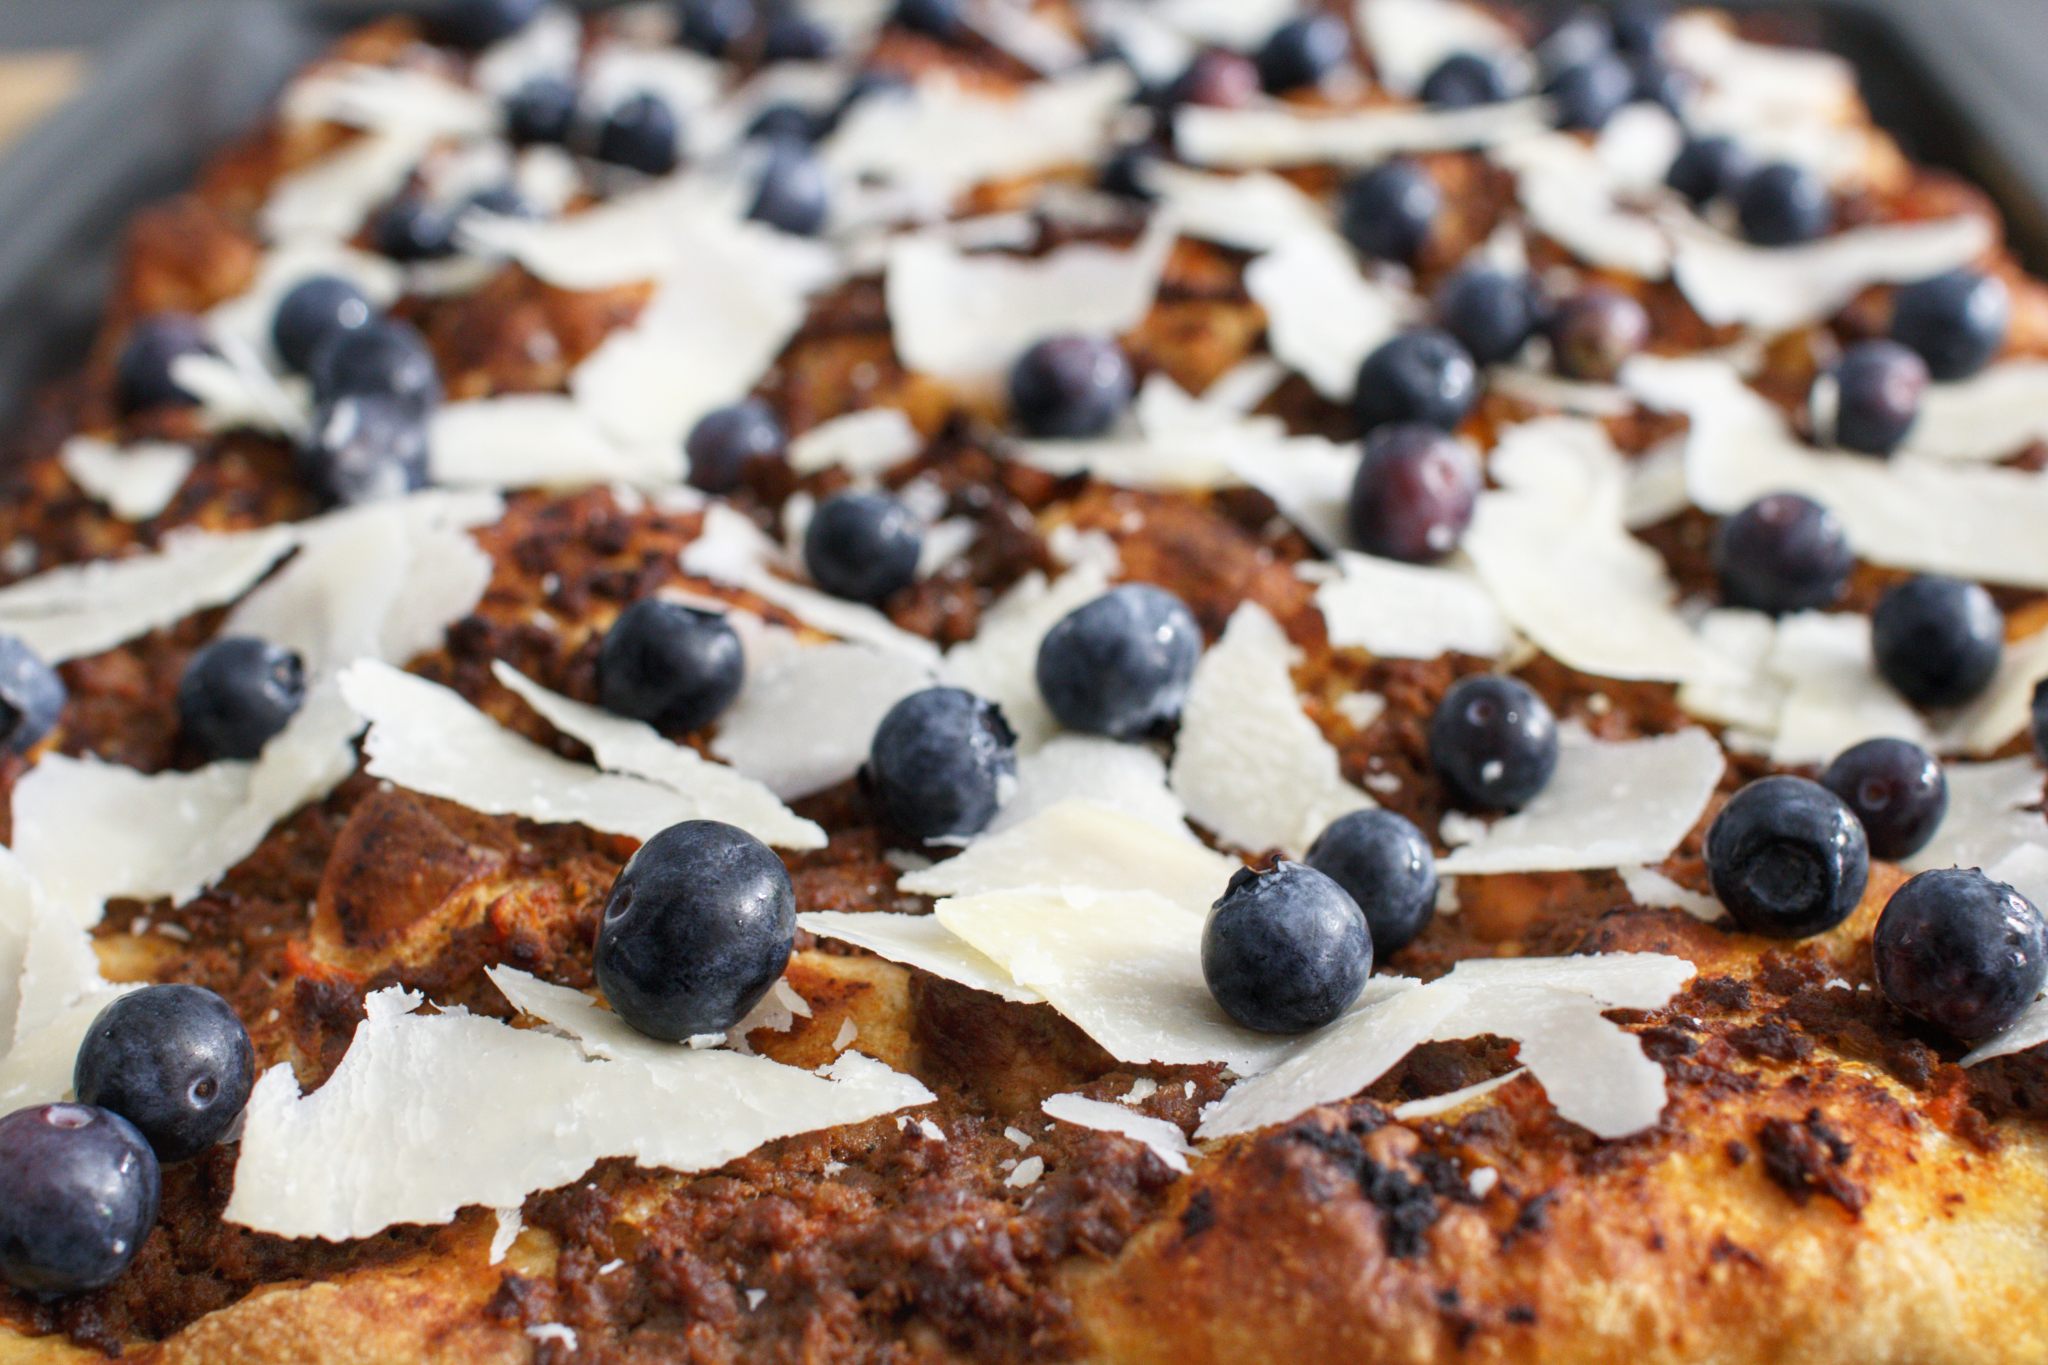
{"x": 503, "y": 201}
{"x": 1070, "y": 386}
{"x": 142, "y": 374}
{"x": 1709, "y": 168}
{"x": 696, "y": 929}
{"x": 1216, "y": 79}
{"x": 32, "y": 696}
{"x": 1120, "y": 666}
{"x": 385, "y": 359}
{"x": 1660, "y": 83}
{"x": 543, "y": 110}
{"x": 1597, "y": 331}
{"x": 1422, "y": 376}
{"x": 1896, "y": 789}
{"x": 479, "y": 23}
{"x": 726, "y": 439}
{"x": 1957, "y": 322}
{"x": 1414, "y": 493}
{"x": 79, "y": 1192}
{"x": 1878, "y": 389}
{"x": 1961, "y": 952}
{"x": 2037, "y": 714}
{"x": 1787, "y": 858}
{"x": 1301, "y": 52}
{"x": 793, "y": 37}
{"x": 1285, "y": 950}
{"x": 1782, "y": 205}
{"x": 1465, "y": 79}
{"x": 1592, "y": 92}
{"x": 1491, "y": 312}
{"x": 1123, "y": 173}
{"x": 174, "y": 1061}
{"x": 863, "y": 546}
{"x": 1574, "y": 40}
{"x": 793, "y": 192}
{"x": 1937, "y": 640}
{"x": 1493, "y": 741}
{"x": 938, "y": 19}
{"x": 1387, "y": 213}
{"x": 941, "y": 762}
{"x": 313, "y": 309}
{"x": 238, "y": 692}
{"x": 1639, "y": 25}
{"x": 782, "y": 122}
{"x": 411, "y": 229}
{"x": 1383, "y": 863}
{"x": 672, "y": 666}
{"x": 714, "y": 27}
{"x": 641, "y": 133}
{"x": 1783, "y": 553}
{"x": 365, "y": 448}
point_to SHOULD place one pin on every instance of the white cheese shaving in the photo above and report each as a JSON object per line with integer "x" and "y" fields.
{"x": 548, "y": 45}
{"x": 1990, "y": 814}
{"x": 1308, "y": 478}
{"x": 862, "y": 443}
{"x": 1989, "y": 416}
{"x": 1574, "y": 197}
{"x": 510, "y": 1225}
{"x": 1001, "y": 662}
{"x": 1164, "y": 1140}
{"x": 1256, "y": 211}
{"x": 539, "y": 440}
{"x": 1027, "y": 1173}
{"x": 1127, "y": 777}
{"x": 1437, "y": 1105}
{"x": 134, "y": 482}
{"x": 917, "y": 941}
{"x": 1288, "y": 135}
{"x": 1323, "y": 318}
{"x": 804, "y": 719}
{"x": 1409, "y": 611}
{"x": 236, "y": 391}
{"x": 1651, "y": 889}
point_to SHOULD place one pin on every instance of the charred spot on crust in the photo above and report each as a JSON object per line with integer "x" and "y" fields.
{"x": 1408, "y": 1208}
{"x": 1806, "y": 1158}
{"x": 1199, "y": 1216}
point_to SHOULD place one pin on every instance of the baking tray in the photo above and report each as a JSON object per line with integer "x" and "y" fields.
{"x": 1949, "y": 78}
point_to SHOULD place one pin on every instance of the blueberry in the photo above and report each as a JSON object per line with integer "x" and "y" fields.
{"x": 1216, "y": 79}
{"x": 1493, "y": 741}
{"x": 1414, "y": 493}
{"x": 1782, "y": 205}
{"x": 386, "y": 359}
{"x": 793, "y": 37}
{"x": 79, "y": 1190}
{"x": 1937, "y": 640}
{"x": 1961, "y": 952}
{"x": 1465, "y": 79}
{"x": 1592, "y": 92}
{"x": 174, "y": 1061}
{"x": 784, "y": 122}
{"x": 863, "y": 546}
{"x": 714, "y": 27}
{"x": 793, "y": 192}
{"x": 1878, "y": 389}
{"x": 1285, "y": 950}
{"x": 696, "y": 929}
{"x": 503, "y": 201}
{"x": 673, "y": 666}
{"x": 32, "y": 696}
{"x": 1383, "y": 863}
{"x": 1070, "y": 386}
{"x": 142, "y": 374}
{"x": 1120, "y": 666}
{"x": 1577, "y": 38}
{"x": 938, "y": 19}
{"x": 2038, "y": 719}
{"x": 1491, "y": 312}
{"x": 1123, "y": 173}
{"x": 726, "y": 439}
{"x": 1709, "y": 168}
{"x": 1639, "y": 25}
{"x": 641, "y": 133}
{"x": 238, "y": 692}
{"x": 941, "y": 763}
{"x": 543, "y": 110}
{"x": 410, "y": 229}
{"x": 1787, "y": 858}
{"x": 1596, "y": 332}
{"x": 1387, "y": 213}
{"x": 313, "y": 309}
{"x": 1783, "y": 553}
{"x": 1896, "y": 789}
{"x": 1957, "y": 322}
{"x": 1302, "y": 52}
{"x": 1660, "y": 83}
{"x": 1418, "y": 376}
{"x": 365, "y": 449}
{"x": 479, "y": 23}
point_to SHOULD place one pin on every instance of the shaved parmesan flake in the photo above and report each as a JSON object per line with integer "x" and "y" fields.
{"x": 1001, "y": 662}
{"x": 1127, "y": 777}
{"x": 1594, "y": 1071}
{"x": 804, "y": 719}
{"x": 39, "y": 1067}
{"x": 1408, "y": 39}
{"x": 1249, "y": 763}
{"x": 1573, "y": 197}
{"x": 1991, "y": 812}
{"x": 387, "y": 98}
{"x": 1323, "y": 318}
{"x": 1409, "y": 611}
{"x": 1289, "y": 135}
{"x": 1638, "y": 981}
{"x": 1781, "y": 288}
{"x": 862, "y": 443}
{"x": 1574, "y": 397}
{"x": 548, "y": 45}
{"x": 1164, "y": 1140}
{"x": 1027, "y": 1173}
{"x": 510, "y": 1225}
{"x": 46, "y": 963}
{"x": 1833, "y": 695}
{"x": 235, "y": 391}
{"x": 1256, "y": 211}
{"x": 1989, "y": 416}
{"x": 134, "y": 482}
{"x": 1180, "y": 443}
{"x": 1783, "y": 103}
{"x": 1652, "y": 889}
{"x": 2029, "y": 1030}
{"x": 538, "y": 440}
{"x": 1309, "y": 479}
{"x": 1437, "y": 1105}
{"x": 917, "y": 941}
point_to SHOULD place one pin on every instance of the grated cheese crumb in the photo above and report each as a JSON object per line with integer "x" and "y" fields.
{"x": 1018, "y": 1136}
{"x": 1027, "y": 1173}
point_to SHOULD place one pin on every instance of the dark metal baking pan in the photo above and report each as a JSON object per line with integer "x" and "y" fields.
{"x": 1950, "y": 79}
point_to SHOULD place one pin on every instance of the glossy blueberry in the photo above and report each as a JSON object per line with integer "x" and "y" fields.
{"x": 1787, "y": 858}
{"x": 714, "y": 27}
{"x": 1709, "y": 168}
{"x": 1070, "y": 386}
{"x": 1285, "y": 950}
{"x": 1783, "y": 553}
{"x": 1957, "y": 322}
{"x": 725, "y": 440}
{"x": 1491, "y": 312}
{"x": 1660, "y": 83}
{"x": 794, "y": 37}
{"x": 312, "y": 309}
{"x": 784, "y": 122}
{"x": 1414, "y": 492}
{"x": 1597, "y": 331}
{"x": 863, "y": 546}
{"x": 174, "y": 1061}
{"x": 1123, "y": 173}
{"x": 697, "y": 928}
{"x": 1639, "y": 25}
{"x": 1465, "y": 79}
{"x": 1960, "y": 951}
{"x": 1301, "y": 52}
{"x": 411, "y": 229}
{"x": 1387, "y": 213}
{"x": 238, "y": 692}
{"x": 142, "y": 373}
{"x": 2037, "y": 715}
{"x": 1386, "y": 866}
{"x": 673, "y": 666}
{"x": 1878, "y": 388}
{"x": 32, "y": 696}
{"x": 1782, "y": 205}
{"x": 79, "y": 1191}
{"x": 1493, "y": 741}
{"x": 793, "y": 193}
{"x": 941, "y": 762}
{"x": 1593, "y": 91}
{"x": 1897, "y": 790}
{"x": 1577, "y": 38}
{"x": 385, "y": 359}
{"x": 503, "y": 201}
{"x": 1216, "y": 79}
{"x": 543, "y": 110}
{"x": 1120, "y": 665}
{"x": 479, "y": 23}
{"x": 1937, "y": 640}
{"x": 1418, "y": 376}
{"x": 934, "y": 18}
{"x": 365, "y": 448}
{"x": 641, "y": 133}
